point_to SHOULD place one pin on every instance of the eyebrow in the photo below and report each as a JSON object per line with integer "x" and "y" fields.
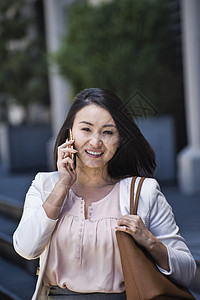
{"x": 88, "y": 123}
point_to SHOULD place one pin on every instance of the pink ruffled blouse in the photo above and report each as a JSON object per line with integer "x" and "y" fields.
{"x": 84, "y": 255}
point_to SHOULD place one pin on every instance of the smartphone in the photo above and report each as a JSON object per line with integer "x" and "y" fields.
{"x": 71, "y": 138}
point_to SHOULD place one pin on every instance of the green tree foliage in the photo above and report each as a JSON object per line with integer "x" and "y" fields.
{"x": 122, "y": 45}
{"x": 23, "y": 67}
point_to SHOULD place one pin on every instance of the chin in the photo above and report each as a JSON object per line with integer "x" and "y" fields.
{"x": 92, "y": 164}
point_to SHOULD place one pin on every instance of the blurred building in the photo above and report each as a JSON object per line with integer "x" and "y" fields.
{"x": 51, "y": 18}
{"x": 189, "y": 158}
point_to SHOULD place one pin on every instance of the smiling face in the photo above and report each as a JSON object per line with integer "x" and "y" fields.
{"x": 96, "y": 136}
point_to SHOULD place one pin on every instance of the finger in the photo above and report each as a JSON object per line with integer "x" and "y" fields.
{"x": 71, "y": 165}
{"x": 65, "y": 144}
{"x": 131, "y": 218}
{"x": 120, "y": 228}
{"x": 67, "y": 169}
{"x": 67, "y": 161}
{"x": 65, "y": 152}
{"x": 124, "y": 229}
{"x": 123, "y": 222}
{"x": 69, "y": 152}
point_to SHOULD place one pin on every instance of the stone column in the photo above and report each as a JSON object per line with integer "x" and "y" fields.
{"x": 54, "y": 14}
{"x": 189, "y": 158}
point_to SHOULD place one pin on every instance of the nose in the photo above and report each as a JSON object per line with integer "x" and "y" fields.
{"x": 95, "y": 141}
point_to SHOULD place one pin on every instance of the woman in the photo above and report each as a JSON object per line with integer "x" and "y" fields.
{"x": 71, "y": 215}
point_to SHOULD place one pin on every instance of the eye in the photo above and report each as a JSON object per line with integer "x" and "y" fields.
{"x": 86, "y": 129}
{"x": 108, "y": 132}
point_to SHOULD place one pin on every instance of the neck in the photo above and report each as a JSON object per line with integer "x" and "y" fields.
{"x": 92, "y": 177}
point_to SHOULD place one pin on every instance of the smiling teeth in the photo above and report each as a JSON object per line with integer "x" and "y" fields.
{"x": 94, "y": 153}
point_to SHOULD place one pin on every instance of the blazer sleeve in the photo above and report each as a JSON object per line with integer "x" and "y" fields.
{"x": 35, "y": 228}
{"x": 163, "y": 226}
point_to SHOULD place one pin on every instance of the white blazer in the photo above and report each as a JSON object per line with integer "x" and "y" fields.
{"x": 33, "y": 234}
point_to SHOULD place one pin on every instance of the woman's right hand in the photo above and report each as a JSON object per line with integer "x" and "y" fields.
{"x": 65, "y": 164}
{"x": 67, "y": 177}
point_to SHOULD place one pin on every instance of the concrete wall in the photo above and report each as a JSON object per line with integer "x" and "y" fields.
{"x": 160, "y": 134}
{"x": 23, "y": 148}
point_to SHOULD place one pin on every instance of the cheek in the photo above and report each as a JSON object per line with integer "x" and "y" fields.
{"x": 116, "y": 142}
{"x": 79, "y": 142}
{"x": 113, "y": 146}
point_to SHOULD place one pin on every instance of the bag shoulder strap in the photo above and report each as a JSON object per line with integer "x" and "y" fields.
{"x": 133, "y": 210}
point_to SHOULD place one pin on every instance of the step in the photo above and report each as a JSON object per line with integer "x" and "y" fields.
{"x": 11, "y": 207}
{"x": 8, "y": 224}
{"x": 15, "y": 282}
{"x": 195, "y": 284}
{"x": 5, "y": 294}
{"x": 7, "y": 227}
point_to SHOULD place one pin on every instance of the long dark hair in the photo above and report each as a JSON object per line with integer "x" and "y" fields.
{"x": 134, "y": 155}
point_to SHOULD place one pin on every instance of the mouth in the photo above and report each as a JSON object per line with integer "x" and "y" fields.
{"x": 94, "y": 154}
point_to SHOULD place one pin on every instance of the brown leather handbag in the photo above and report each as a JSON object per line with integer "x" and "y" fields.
{"x": 143, "y": 280}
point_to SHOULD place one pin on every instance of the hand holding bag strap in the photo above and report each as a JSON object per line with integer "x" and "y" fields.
{"x": 143, "y": 281}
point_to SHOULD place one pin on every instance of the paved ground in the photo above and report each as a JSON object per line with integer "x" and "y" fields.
{"x": 186, "y": 208}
